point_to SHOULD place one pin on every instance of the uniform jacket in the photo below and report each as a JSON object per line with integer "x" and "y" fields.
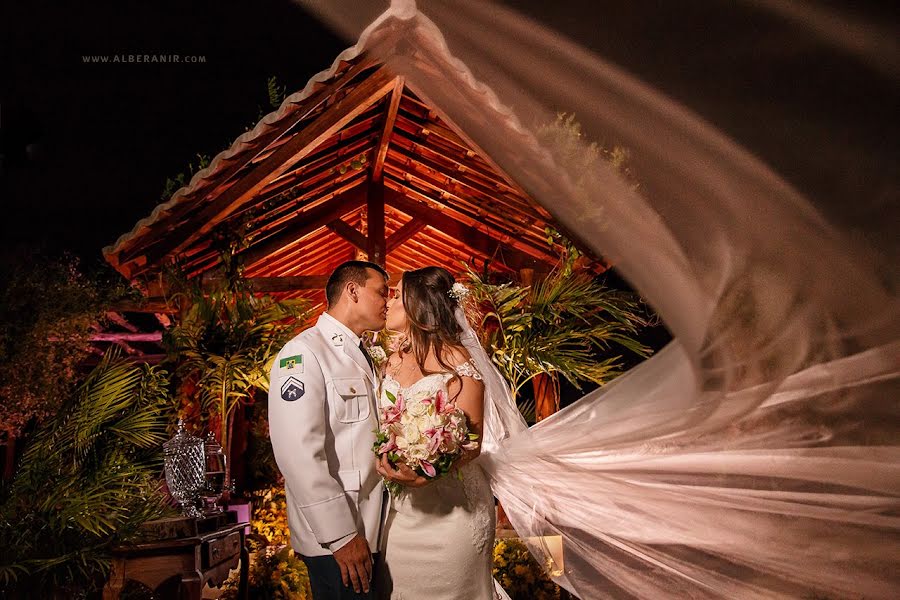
{"x": 322, "y": 422}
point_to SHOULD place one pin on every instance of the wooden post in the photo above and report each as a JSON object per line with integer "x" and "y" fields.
{"x": 375, "y": 216}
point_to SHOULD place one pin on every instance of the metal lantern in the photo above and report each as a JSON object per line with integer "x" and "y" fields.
{"x": 215, "y": 475}
{"x": 184, "y": 457}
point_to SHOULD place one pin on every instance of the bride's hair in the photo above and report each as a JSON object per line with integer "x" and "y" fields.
{"x": 430, "y": 313}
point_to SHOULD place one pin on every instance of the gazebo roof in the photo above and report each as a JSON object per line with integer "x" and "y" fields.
{"x": 355, "y": 162}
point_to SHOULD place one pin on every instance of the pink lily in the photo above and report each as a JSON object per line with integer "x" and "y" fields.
{"x": 428, "y": 468}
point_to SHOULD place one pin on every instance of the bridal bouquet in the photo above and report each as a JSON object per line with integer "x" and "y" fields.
{"x": 426, "y": 434}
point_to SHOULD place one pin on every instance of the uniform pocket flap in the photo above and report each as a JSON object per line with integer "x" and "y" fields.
{"x": 350, "y": 480}
{"x": 350, "y": 387}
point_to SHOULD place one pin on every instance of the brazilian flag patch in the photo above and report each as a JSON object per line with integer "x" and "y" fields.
{"x": 292, "y": 362}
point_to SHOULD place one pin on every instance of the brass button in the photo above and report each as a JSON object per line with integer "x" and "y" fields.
{"x": 353, "y": 390}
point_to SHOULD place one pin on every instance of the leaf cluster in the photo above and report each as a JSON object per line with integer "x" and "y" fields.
{"x": 87, "y": 479}
{"x": 562, "y": 325}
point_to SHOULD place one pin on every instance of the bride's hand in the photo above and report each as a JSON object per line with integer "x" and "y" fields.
{"x": 402, "y": 474}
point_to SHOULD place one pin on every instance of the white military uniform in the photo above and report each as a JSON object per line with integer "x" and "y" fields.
{"x": 322, "y": 422}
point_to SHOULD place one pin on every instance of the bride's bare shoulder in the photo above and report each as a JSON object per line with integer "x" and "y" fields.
{"x": 455, "y": 355}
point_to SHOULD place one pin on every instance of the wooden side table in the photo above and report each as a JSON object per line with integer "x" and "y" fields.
{"x": 192, "y": 552}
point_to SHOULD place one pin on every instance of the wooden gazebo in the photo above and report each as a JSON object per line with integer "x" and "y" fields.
{"x": 354, "y": 165}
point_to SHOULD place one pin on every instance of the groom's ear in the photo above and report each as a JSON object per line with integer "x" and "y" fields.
{"x": 352, "y": 291}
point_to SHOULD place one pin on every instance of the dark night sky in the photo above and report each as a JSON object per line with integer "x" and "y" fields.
{"x": 104, "y": 137}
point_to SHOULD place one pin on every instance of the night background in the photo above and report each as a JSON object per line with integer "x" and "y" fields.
{"x": 87, "y": 148}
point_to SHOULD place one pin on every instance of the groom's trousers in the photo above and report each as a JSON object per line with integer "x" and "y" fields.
{"x": 326, "y": 583}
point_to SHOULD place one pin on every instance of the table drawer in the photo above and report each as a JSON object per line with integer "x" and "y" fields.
{"x": 216, "y": 551}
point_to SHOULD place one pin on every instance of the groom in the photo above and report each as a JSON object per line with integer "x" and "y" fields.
{"x": 322, "y": 422}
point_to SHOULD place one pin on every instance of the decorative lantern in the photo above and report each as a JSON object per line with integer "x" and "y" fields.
{"x": 215, "y": 475}
{"x": 183, "y": 456}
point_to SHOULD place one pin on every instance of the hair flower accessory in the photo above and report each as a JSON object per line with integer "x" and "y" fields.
{"x": 458, "y": 292}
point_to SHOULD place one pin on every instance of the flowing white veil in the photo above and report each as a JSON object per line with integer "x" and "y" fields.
{"x": 756, "y": 456}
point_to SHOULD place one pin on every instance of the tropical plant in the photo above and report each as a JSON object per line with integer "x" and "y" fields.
{"x": 224, "y": 344}
{"x": 88, "y": 478}
{"x": 565, "y": 324}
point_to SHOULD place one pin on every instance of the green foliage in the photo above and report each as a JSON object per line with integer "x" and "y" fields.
{"x": 519, "y": 573}
{"x": 173, "y": 184}
{"x": 276, "y": 93}
{"x": 48, "y": 308}
{"x": 278, "y": 576}
{"x": 225, "y": 342}
{"x": 582, "y": 158}
{"x": 558, "y": 326}
{"x": 88, "y": 478}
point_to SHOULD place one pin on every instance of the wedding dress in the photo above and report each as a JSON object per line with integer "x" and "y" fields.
{"x": 438, "y": 539}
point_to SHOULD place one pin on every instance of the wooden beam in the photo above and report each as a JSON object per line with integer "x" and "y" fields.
{"x": 349, "y": 233}
{"x": 304, "y": 224}
{"x": 472, "y": 238}
{"x": 285, "y": 284}
{"x": 332, "y": 120}
{"x": 262, "y": 143}
{"x": 375, "y": 221}
{"x": 390, "y": 116}
{"x": 155, "y": 336}
{"x": 408, "y": 230}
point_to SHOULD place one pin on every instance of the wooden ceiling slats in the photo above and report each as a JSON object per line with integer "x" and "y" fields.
{"x": 444, "y": 200}
{"x": 460, "y": 186}
{"x": 457, "y": 168}
{"x": 475, "y": 217}
{"x": 337, "y": 116}
{"x": 511, "y": 227}
{"x": 308, "y": 201}
{"x": 303, "y": 224}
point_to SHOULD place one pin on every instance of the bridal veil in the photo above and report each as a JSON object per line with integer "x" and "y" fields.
{"x": 756, "y": 456}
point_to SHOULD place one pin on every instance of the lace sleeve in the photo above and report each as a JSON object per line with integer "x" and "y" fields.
{"x": 467, "y": 369}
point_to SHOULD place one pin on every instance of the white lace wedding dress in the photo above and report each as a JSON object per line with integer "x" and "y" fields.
{"x": 438, "y": 539}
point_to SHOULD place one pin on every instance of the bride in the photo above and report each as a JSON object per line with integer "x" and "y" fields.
{"x": 437, "y": 541}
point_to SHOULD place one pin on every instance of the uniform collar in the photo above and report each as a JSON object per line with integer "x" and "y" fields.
{"x": 349, "y": 341}
{"x": 349, "y": 336}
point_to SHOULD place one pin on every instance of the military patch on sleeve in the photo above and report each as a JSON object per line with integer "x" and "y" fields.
{"x": 292, "y": 389}
{"x": 292, "y": 363}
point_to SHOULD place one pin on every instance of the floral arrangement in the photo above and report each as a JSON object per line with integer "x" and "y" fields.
{"x": 379, "y": 345}
{"x": 278, "y": 576}
{"x": 427, "y": 434}
{"x": 520, "y": 574}
{"x": 269, "y": 519}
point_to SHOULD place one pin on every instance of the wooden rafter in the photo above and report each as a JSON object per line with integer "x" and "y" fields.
{"x": 390, "y": 117}
{"x": 370, "y": 91}
{"x": 405, "y": 232}
{"x": 350, "y": 234}
{"x": 304, "y": 224}
{"x": 472, "y": 238}
{"x": 262, "y": 143}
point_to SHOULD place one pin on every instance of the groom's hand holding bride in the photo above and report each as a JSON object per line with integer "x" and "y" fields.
{"x": 402, "y": 474}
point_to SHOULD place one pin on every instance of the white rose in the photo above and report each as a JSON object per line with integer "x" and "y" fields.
{"x": 411, "y": 431}
{"x": 417, "y": 409}
{"x": 378, "y": 354}
{"x": 418, "y": 453}
{"x": 424, "y": 423}
{"x": 401, "y": 442}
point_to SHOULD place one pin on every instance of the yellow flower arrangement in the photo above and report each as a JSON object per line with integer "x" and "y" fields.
{"x": 520, "y": 574}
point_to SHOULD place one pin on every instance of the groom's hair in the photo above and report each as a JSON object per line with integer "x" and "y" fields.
{"x": 352, "y": 270}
